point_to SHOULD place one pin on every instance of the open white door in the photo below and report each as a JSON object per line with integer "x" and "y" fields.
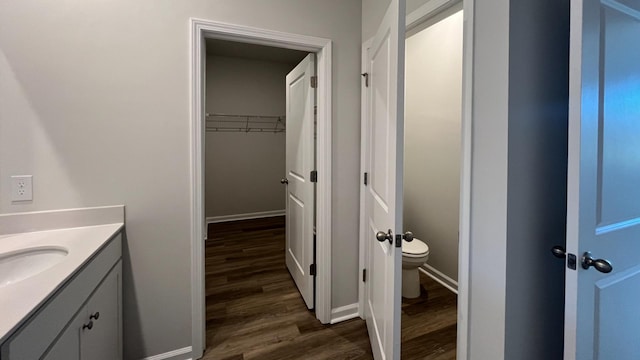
{"x": 383, "y": 192}
{"x": 300, "y": 162}
{"x": 603, "y": 309}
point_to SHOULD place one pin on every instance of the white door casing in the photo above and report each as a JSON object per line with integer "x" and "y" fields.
{"x": 383, "y": 194}
{"x": 602, "y": 317}
{"x": 322, "y": 47}
{"x": 300, "y": 161}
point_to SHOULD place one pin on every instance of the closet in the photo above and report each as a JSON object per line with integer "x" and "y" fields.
{"x": 245, "y": 130}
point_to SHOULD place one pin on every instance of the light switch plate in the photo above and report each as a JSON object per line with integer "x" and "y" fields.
{"x": 21, "y": 188}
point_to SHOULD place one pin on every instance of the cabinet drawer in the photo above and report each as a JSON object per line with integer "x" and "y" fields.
{"x": 40, "y": 331}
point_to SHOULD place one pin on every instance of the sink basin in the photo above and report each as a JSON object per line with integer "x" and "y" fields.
{"x": 24, "y": 263}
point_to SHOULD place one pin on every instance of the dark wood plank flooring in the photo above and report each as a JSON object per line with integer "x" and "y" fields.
{"x": 429, "y": 323}
{"x": 254, "y": 310}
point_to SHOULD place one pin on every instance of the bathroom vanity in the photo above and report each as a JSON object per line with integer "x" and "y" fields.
{"x": 61, "y": 288}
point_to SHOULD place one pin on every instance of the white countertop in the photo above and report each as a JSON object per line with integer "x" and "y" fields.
{"x": 20, "y": 299}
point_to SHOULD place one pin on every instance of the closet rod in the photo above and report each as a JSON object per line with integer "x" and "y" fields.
{"x": 246, "y": 116}
{"x": 245, "y": 130}
{"x": 245, "y": 123}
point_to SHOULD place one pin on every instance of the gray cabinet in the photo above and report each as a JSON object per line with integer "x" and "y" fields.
{"x": 96, "y": 331}
{"x": 67, "y": 347}
{"x": 83, "y": 320}
{"x": 104, "y": 310}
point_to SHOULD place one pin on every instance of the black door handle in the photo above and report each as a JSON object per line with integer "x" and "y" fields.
{"x": 602, "y": 265}
{"x": 559, "y": 252}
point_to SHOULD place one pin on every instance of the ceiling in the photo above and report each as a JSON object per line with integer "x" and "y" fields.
{"x": 253, "y": 51}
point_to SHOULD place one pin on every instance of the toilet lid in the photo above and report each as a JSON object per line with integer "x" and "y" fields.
{"x": 415, "y": 247}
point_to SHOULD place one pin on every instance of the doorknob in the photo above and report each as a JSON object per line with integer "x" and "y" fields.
{"x": 602, "y": 265}
{"x": 559, "y": 252}
{"x": 382, "y": 236}
{"x": 408, "y": 236}
{"x": 284, "y": 181}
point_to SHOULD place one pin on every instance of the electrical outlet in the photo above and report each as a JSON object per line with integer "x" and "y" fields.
{"x": 21, "y": 188}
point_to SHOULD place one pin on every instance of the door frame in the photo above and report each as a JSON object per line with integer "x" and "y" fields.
{"x": 199, "y": 31}
{"x": 416, "y": 18}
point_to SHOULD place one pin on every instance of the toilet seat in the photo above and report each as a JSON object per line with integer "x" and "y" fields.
{"x": 415, "y": 248}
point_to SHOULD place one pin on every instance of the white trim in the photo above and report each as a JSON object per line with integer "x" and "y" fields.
{"x": 199, "y": 30}
{"x": 464, "y": 243}
{"x": 198, "y": 231}
{"x": 441, "y": 278}
{"x": 173, "y": 355}
{"x": 364, "y": 128}
{"x": 344, "y": 313}
{"x": 576, "y": 34}
{"x": 323, "y": 187}
{"x": 246, "y": 216}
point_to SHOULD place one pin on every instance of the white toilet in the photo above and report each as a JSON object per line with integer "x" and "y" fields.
{"x": 414, "y": 254}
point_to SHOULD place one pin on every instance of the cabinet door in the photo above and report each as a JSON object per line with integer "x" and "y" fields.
{"x": 67, "y": 347}
{"x": 104, "y": 308}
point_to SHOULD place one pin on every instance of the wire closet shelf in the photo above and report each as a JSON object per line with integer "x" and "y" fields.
{"x": 245, "y": 123}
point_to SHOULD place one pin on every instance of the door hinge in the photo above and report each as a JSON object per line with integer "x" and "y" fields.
{"x": 366, "y": 79}
{"x": 364, "y": 275}
{"x": 314, "y": 82}
{"x": 366, "y": 178}
{"x": 312, "y": 269}
{"x": 314, "y": 176}
{"x": 315, "y": 109}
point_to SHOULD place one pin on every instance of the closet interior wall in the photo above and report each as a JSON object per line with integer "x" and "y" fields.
{"x": 243, "y": 169}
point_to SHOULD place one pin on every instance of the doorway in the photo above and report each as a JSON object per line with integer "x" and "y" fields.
{"x": 431, "y": 186}
{"x": 407, "y": 328}
{"x": 259, "y": 198}
{"x": 200, "y": 31}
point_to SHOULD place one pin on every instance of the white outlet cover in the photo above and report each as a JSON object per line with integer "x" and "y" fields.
{"x": 21, "y": 188}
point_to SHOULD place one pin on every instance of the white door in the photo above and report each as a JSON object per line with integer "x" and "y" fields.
{"x": 603, "y": 309}
{"x": 383, "y": 193}
{"x": 300, "y": 163}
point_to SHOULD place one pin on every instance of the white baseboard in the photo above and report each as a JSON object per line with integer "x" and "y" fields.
{"x": 344, "y": 313}
{"x": 247, "y": 216}
{"x": 179, "y": 354}
{"x": 443, "y": 279}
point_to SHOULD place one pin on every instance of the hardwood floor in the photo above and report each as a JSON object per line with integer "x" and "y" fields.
{"x": 429, "y": 323}
{"x": 254, "y": 310}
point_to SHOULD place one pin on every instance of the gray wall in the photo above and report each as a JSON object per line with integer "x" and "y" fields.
{"x": 518, "y": 179}
{"x": 243, "y": 170}
{"x": 372, "y": 13}
{"x": 433, "y": 110}
{"x": 94, "y": 102}
{"x": 536, "y": 206}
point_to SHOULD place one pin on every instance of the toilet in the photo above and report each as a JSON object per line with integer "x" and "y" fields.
{"x": 414, "y": 254}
